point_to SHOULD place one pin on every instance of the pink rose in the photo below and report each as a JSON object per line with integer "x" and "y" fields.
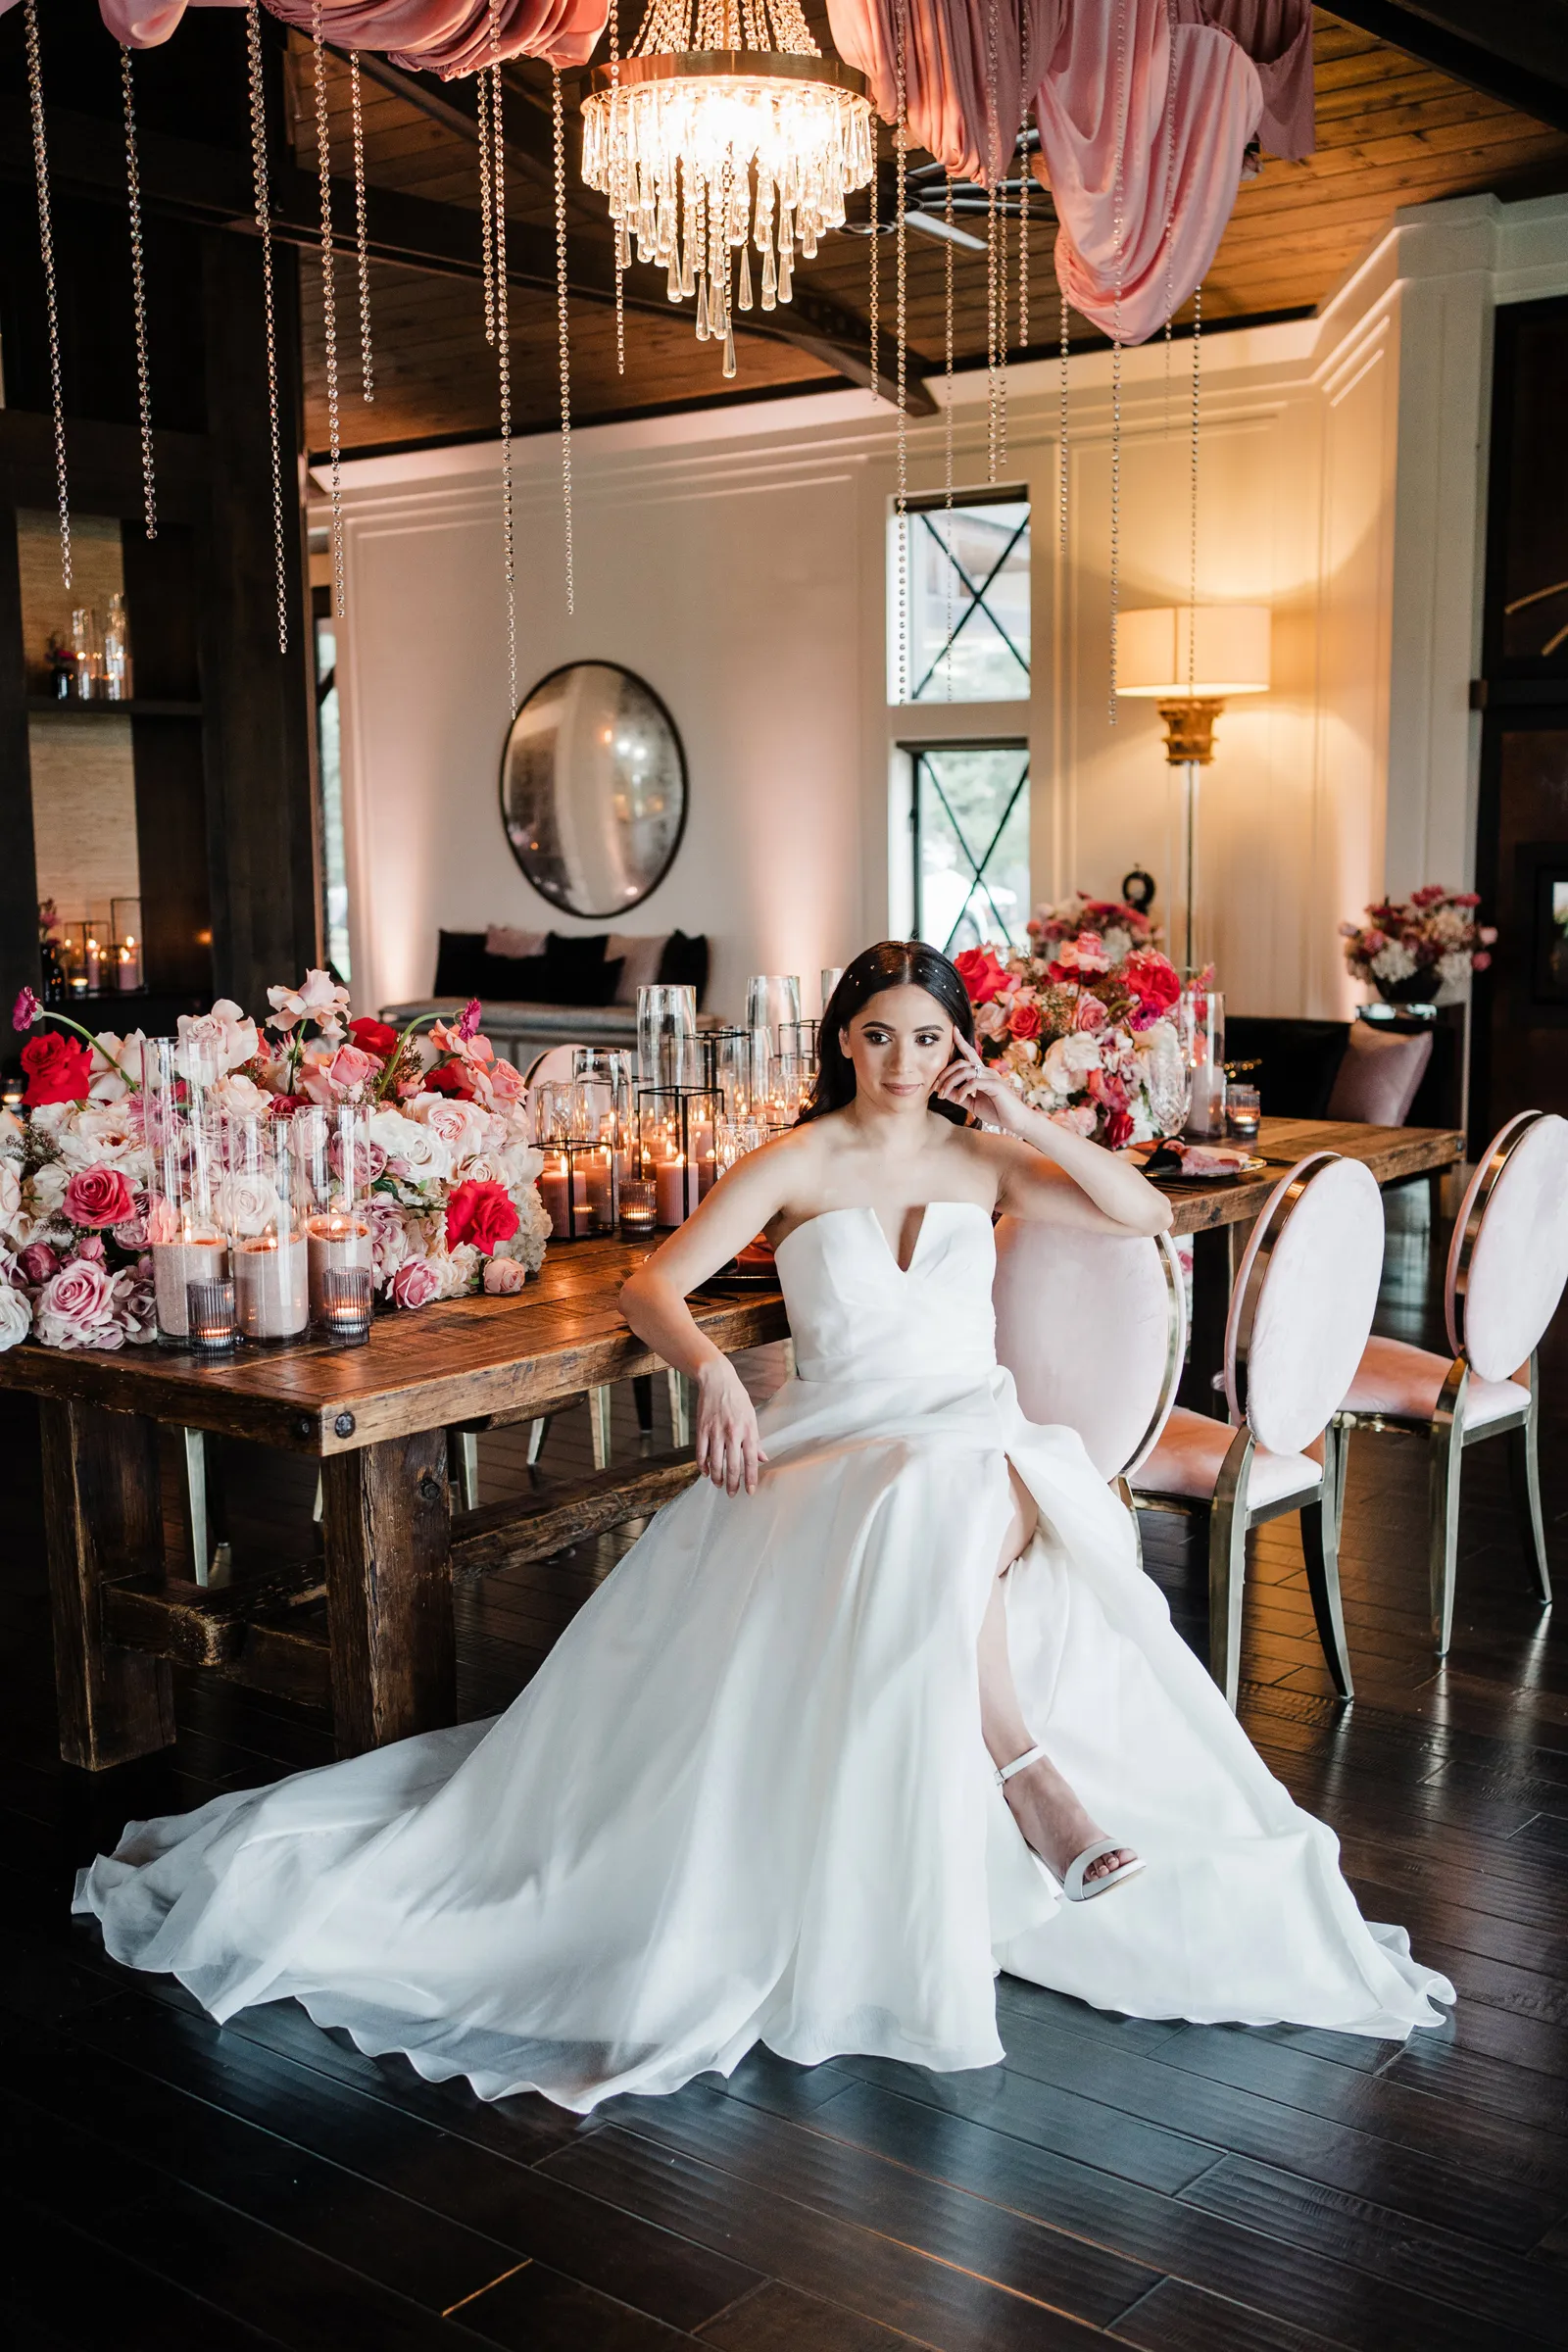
{"x": 389, "y": 1238}
{"x": 98, "y": 1197}
{"x": 91, "y": 1248}
{"x": 416, "y": 1283}
{"x": 76, "y": 1308}
{"x": 39, "y": 1261}
{"x": 505, "y": 1082}
{"x": 163, "y": 1219}
{"x": 990, "y": 1021}
{"x": 503, "y": 1277}
{"x": 1090, "y": 1013}
{"x": 349, "y": 1069}
{"x": 132, "y": 1234}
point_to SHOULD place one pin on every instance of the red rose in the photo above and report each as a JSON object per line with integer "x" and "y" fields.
{"x": 480, "y": 1213}
{"x": 1153, "y": 979}
{"x": 98, "y": 1197}
{"x": 372, "y": 1037}
{"x": 982, "y": 975}
{"x": 1118, "y": 1130}
{"x": 59, "y": 1070}
{"x": 1024, "y": 1021}
{"x": 447, "y": 1078}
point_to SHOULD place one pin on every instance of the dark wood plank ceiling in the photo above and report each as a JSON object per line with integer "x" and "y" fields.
{"x": 1392, "y": 131}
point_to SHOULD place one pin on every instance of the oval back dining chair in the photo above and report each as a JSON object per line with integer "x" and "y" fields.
{"x": 1300, "y": 1309}
{"x": 1093, "y": 1327}
{"x": 1507, "y": 1265}
{"x": 552, "y": 1067}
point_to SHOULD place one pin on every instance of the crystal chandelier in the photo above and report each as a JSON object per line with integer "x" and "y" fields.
{"x": 726, "y": 130}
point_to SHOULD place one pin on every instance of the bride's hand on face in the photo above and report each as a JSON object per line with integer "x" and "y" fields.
{"x": 729, "y": 1447}
{"x": 967, "y": 1082}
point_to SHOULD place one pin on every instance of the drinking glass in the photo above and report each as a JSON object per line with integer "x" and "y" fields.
{"x": 832, "y": 974}
{"x": 666, "y": 1019}
{"x": 1169, "y": 1082}
{"x": 556, "y": 1109}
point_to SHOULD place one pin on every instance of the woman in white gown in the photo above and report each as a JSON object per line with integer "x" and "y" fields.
{"x": 752, "y": 1793}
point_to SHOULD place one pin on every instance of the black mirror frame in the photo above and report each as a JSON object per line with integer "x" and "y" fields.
{"x": 562, "y": 668}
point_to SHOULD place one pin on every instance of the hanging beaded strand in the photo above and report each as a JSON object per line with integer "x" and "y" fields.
{"x": 902, "y": 143}
{"x": 993, "y": 172}
{"x": 502, "y": 311}
{"x": 1117, "y": 226}
{"x": 874, "y": 265}
{"x": 1192, "y": 518}
{"x": 947, "y": 418}
{"x": 1024, "y": 176}
{"x": 1170, "y": 199}
{"x": 46, "y": 247}
{"x": 622, "y": 232}
{"x": 324, "y": 166}
{"x": 1061, "y": 470}
{"x": 138, "y": 296}
{"x": 264, "y": 232}
{"x": 558, "y": 127}
{"x": 487, "y": 227}
{"x": 362, "y": 230}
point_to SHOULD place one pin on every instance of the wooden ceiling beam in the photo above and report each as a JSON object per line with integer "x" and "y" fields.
{"x": 1517, "y": 52}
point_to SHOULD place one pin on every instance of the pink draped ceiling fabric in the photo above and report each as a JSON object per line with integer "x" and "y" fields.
{"x": 1144, "y": 112}
{"x": 444, "y": 36}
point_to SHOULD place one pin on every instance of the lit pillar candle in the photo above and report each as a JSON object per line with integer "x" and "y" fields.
{"x": 272, "y": 1280}
{"x": 174, "y": 1264}
{"x": 552, "y": 1194}
{"x": 336, "y": 1243}
{"x": 598, "y": 1202}
{"x": 670, "y": 1178}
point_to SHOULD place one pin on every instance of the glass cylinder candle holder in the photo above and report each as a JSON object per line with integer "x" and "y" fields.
{"x": 334, "y": 1151}
{"x": 789, "y": 1084}
{"x": 638, "y": 1199}
{"x": 799, "y": 1039}
{"x": 666, "y": 1019}
{"x": 211, "y": 1317}
{"x": 554, "y": 1105}
{"x": 267, "y": 1248}
{"x": 737, "y": 1137}
{"x": 185, "y": 1229}
{"x": 677, "y": 1145}
{"x": 1200, "y": 1016}
{"x": 345, "y": 1304}
{"x": 832, "y": 974}
{"x": 580, "y": 1186}
{"x": 773, "y": 1003}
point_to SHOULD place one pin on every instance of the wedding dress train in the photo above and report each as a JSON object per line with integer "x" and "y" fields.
{"x": 746, "y": 1797}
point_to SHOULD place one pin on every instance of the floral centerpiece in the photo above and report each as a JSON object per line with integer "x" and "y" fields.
{"x": 1087, "y": 1040}
{"x": 1124, "y": 929}
{"x": 453, "y": 1203}
{"x": 1407, "y": 949}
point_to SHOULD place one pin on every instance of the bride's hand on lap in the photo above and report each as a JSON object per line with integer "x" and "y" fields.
{"x": 729, "y": 1445}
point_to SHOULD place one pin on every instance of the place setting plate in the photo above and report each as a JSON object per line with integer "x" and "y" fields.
{"x": 1162, "y": 1165}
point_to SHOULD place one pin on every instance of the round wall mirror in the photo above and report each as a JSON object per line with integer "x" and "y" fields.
{"x": 593, "y": 788}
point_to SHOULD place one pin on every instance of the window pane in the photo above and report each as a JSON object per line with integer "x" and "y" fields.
{"x": 969, "y": 618}
{"x": 972, "y": 846}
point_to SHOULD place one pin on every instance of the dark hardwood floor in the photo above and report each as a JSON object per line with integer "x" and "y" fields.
{"x": 1176, "y": 2188}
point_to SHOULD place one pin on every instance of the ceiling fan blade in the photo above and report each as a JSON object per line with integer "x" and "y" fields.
{"x": 935, "y": 226}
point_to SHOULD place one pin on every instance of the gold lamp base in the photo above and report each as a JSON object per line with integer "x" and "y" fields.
{"x": 1190, "y": 730}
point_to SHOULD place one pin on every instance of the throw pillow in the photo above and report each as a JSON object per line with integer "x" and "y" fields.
{"x": 459, "y": 964}
{"x": 537, "y": 980}
{"x": 640, "y": 954}
{"x": 685, "y": 964}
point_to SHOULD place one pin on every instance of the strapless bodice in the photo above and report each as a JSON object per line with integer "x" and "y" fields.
{"x": 856, "y": 1315}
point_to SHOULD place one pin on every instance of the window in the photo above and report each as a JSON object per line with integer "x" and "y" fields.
{"x": 969, "y": 826}
{"x": 968, "y": 592}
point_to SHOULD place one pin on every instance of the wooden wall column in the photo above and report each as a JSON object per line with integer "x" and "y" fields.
{"x": 105, "y": 1520}
{"x": 387, "y": 1525}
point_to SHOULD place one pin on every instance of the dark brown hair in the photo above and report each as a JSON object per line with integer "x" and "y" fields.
{"x": 891, "y": 964}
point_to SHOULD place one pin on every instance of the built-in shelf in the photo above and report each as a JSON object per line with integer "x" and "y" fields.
{"x": 47, "y": 705}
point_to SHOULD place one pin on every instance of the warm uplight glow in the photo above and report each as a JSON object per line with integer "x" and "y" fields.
{"x": 725, "y": 132}
{"x": 1162, "y": 658}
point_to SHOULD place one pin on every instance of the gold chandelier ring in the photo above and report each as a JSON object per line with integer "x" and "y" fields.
{"x": 727, "y": 64}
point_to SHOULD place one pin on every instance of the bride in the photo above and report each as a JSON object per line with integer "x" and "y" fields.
{"x": 880, "y": 1705}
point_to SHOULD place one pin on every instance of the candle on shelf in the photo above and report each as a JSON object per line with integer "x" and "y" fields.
{"x": 554, "y": 1193}
{"x": 338, "y": 1244}
{"x": 639, "y": 1208}
{"x": 93, "y": 968}
{"x": 210, "y": 1315}
{"x": 345, "y": 1310}
{"x": 669, "y": 1181}
{"x": 271, "y": 1276}
{"x": 130, "y": 965}
{"x": 176, "y": 1265}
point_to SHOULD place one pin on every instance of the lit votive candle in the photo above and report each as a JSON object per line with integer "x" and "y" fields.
{"x": 345, "y": 1314}
{"x": 175, "y": 1266}
{"x": 669, "y": 1180}
{"x": 272, "y": 1283}
{"x": 336, "y": 1243}
{"x": 210, "y": 1315}
{"x": 553, "y": 1192}
{"x": 639, "y": 1209}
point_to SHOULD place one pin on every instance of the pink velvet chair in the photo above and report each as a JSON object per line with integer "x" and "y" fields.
{"x": 1093, "y": 1328}
{"x": 1379, "y": 1075}
{"x": 1300, "y": 1310}
{"x": 1507, "y": 1263}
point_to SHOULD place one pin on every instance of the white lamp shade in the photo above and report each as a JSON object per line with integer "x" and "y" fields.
{"x": 1162, "y": 655}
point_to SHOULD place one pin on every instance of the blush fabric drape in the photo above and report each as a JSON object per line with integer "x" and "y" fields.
{"x": 444, "y": 36}
{"x": 1144, "y": 112}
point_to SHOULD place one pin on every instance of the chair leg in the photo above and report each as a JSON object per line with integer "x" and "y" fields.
{"x": 463, "y": 1457}
{"x": 1445, "y": 1455}
{"x": 599, "y": 1420}
{"x": 193, "y": 1479}
{"x": 1320, "y": 1542}
{"x": 536, "y": 1438}
{"x": 1227, "y": 1567}
{"x": 1125, "y": 1495}
{"x": 680, "y": 1410}
{"x": 642, "y": 1397}
{"x": 1524, "y": 1468}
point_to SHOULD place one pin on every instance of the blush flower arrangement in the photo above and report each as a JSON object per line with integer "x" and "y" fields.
{"x": 454, "y": 1206}
{"x": 1125, "y": 930}
{"x": 1408, "y": 949}
{"x": 1080, "y": 1037}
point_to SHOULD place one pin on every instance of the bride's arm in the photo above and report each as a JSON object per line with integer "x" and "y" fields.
{"x": 654, "y": 1303}
{"x": 1058, "y": 1177}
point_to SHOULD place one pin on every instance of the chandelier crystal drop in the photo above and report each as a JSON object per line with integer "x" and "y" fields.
{"x": 726, "y": 132}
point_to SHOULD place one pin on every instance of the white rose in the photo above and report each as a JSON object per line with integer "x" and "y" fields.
{"x": 1394, "y": 962}
{"x": 411, "y": 1150}
{"x": 16, "y": 1316}
{"x": 245, "y": 1203}
{"x": 45, "y": 1189}
{"x": 103, "y": 1132}
{"x": 461, "y": 1126}
{"x": 224, "y": 1034}
{"x": 10, "y": 1190}
{"x": 241, "y": 1097}
{"x": 1069, "y": 1060}
{"x": 519, "y": 1165}
{"x": 456, "y": 1268}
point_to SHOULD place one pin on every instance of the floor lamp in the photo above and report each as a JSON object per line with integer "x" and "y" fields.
{"x": 1192, "y": 671}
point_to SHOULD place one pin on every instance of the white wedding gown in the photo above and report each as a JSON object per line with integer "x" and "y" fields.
{"x": 746, "y": 1799}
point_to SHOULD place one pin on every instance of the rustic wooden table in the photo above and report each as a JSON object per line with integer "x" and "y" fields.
{"x": 376, "y": 1419}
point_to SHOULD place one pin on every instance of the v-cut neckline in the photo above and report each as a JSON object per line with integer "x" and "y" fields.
{"x": 863, "y": 1208}
{"x": 925, "y": 1207}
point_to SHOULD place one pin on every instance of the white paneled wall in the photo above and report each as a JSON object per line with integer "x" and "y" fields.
{"x": 736, "y": 559}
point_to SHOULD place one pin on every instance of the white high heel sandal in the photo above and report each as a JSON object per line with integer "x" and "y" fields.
{"x": 1071, "y": 1882}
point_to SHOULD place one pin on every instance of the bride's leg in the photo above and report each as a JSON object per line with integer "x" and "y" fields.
{"x": 1043, "y": 1804}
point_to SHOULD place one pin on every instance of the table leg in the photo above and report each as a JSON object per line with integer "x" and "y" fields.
{"x": 1211, "y": 1298}
{"x": 103, "y": 1512}
{"x": 387, "y": 1527}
